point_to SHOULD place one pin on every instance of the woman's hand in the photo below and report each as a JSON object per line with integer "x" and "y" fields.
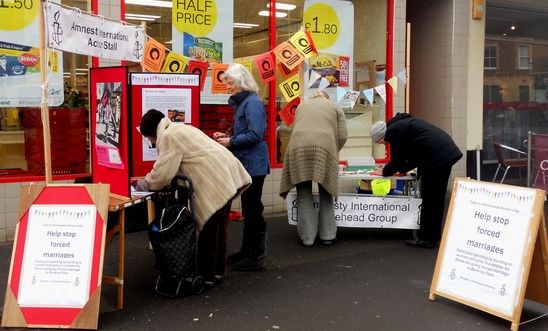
{"x": 217, "y": 135}
{"x": 224, "y": 141}
{"x": 378, "y": 172}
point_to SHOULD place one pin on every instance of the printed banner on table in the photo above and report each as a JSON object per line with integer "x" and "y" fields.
{"x": 107, "y": 133}
{"x": 155, "y": 53}
{"x": 79, "y": 32}
{"x": 175, "y": 63}
{"x": 288, "y": 55}
{"x": 287, "y": 113}
{"x": 330, "y": 23}
{"x": 367, "y": 211}
{"x": 20, "y": 79}
{"x": 291, "y": 88}
{"x": 266, "y": 64}
{"x": 202, "y": 30}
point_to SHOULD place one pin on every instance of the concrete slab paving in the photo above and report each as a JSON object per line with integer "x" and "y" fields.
{"x": 367, "y": 280}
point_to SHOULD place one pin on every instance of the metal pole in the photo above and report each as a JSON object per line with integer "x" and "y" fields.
{"x": 529, "y": 160}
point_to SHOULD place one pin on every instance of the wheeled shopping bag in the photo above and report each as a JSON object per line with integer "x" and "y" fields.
{"x": 172, "y": 235}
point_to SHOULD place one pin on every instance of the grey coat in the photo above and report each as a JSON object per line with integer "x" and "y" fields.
{"x": 313, "y": 150}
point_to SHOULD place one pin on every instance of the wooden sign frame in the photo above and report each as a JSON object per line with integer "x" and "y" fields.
{"x": 57, "y": 197}
{"x": 534, "y": 277}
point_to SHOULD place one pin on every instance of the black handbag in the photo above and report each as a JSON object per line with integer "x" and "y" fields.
{"x": 173, "y": 239}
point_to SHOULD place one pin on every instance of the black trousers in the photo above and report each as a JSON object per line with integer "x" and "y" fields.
{"x": 433, "y": 190}
{"x": 252, "y": 206}
{"x": 212, "y": 244}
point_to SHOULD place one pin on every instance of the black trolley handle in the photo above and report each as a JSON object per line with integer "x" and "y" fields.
{"x": 190, "y": 189}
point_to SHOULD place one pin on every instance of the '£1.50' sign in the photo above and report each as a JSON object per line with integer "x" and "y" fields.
{"x": 17, "y": 14}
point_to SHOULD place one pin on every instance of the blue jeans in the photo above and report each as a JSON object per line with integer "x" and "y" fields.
{"x": 311, "y": 222}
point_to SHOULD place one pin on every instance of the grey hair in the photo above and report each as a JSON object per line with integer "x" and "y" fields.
{"x": 319, "y": 94}
{"x": 242, "y": 77}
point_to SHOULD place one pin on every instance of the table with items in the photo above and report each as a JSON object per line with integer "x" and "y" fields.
{"x": 398, "y": 210}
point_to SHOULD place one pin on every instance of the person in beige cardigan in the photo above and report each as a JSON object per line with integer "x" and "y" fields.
{"x": 217, "y": 176}
{"x": 312, "y": 154}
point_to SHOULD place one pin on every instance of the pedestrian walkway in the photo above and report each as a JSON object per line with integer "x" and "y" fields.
{"x": 368, "y": 280}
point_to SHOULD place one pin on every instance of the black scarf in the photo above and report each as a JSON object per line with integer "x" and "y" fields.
{"x": 238, "y": 98}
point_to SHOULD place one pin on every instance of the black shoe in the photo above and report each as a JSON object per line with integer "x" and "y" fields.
{"x": 249, "y": 264}
{"x": 328, "y": 242}
{"x": 419, "y": 243}
{"x": 233, "y": 258}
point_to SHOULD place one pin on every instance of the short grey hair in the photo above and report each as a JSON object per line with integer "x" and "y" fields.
{"x": 242, "y": 77}
{"x": 319, "y": 94}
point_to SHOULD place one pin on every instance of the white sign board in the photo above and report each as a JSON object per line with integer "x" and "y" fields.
{"x": 56, "y": 269}
{"x": 364, "y": 211}
{"x": 71, "y": 30}
{"x": 482, "y": 259}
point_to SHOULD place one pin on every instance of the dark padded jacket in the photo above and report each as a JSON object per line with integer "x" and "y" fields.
{"x": 415, "y": 143}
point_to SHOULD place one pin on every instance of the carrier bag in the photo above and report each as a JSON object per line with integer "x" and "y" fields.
{"x": 173, "y": 239}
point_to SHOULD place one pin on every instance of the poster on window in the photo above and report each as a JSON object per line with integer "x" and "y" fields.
{"x": 56, "y": 268}
{"x": 107, "y": 116}
{"x": 20, "y": 79}
{"x": 331, "y": 25}
{"x": 174, "y": 103}
{"x": 199, "y": 32}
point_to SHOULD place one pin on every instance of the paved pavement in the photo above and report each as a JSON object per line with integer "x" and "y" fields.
{"x": 368, "y": 280}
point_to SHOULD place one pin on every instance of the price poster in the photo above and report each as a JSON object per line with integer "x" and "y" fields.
{"x": 20, "y": 78}
{"x": 331, "y": 26}
{"x": 199, "y": 30}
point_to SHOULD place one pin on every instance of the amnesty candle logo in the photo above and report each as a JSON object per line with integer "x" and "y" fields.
{"x": 57, "y": 30}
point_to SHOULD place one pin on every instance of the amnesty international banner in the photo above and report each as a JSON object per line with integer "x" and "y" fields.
{"x": 202, "y": 30}
{"x": 360, "y": 211}
{"x": 83, "y": 33}
{"x": 20, "y": 80}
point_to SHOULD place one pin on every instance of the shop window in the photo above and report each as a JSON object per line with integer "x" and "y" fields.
{"x": 490, "y": 57}
{"x": 524, "y": 60}
{"x": 515, "y": 95}
{"x": 21, "y": 132}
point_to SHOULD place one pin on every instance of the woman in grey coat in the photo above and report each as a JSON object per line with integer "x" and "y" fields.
{"x": 313, "y": 155}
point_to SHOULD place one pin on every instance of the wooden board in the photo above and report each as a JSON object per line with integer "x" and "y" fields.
{"x": 63, "y": 206}
{"x": 488, "y": 251}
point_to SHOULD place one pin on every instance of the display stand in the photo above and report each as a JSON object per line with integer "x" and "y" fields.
{"x": 109, "y": 141}
{"x": 494, "y": 250}
{"x": 57, "y": 259}
{"x": 175, "y": 95}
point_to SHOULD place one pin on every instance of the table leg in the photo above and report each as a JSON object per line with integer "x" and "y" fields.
{"x": 121, "y": 256}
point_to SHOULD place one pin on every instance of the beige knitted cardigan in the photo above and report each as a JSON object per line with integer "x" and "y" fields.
{"x": 313, "y": 150}
{"x": 216, "y": 174}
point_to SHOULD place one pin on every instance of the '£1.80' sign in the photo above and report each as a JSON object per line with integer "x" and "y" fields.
{"x": 17, "y": 14}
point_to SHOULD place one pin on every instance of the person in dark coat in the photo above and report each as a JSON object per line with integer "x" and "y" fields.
{"x": 415, "y": 143}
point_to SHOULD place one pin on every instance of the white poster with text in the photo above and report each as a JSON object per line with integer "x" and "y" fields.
{"x": 485, "y": 244}
{"x": 57, "y": 260}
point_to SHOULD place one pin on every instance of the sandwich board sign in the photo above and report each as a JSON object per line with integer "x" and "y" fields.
{"x": 57, "y": 259}
{"x": 494, "y": 249}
